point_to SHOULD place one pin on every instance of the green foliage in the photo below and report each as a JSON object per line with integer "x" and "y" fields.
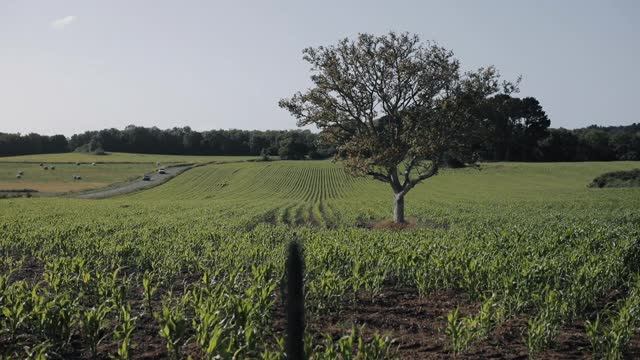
{"x": 354, "y": 347}
{"x": 123, "y": 334}
{"x": 38, "y": 352}
{"x": 365, "y": 99}
{"x": 173, "y": 329}
{"x": 457, "y": 332}
{"x": 594, "y": 332}
{"x": 264, "y": 155}
{"x": 149, "y": 287}
{"x": 617, "y": 179}
{"x": 93, "y": 324}
{"x": 540, "y": 333}
{"x": 326, "y": 292}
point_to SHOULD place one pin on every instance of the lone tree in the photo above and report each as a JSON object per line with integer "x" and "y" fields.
{"x": 394, "y": 107}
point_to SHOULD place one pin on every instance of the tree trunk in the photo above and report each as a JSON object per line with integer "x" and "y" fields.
{"x": 398, "y": 209}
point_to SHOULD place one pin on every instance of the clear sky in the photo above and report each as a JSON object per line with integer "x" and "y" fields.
{"x": 71, "y": 66}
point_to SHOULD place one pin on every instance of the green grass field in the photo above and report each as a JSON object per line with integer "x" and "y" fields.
{"x": 121, "y": 158}
{"x": 109, "y": 169}
{"x": 509, "y": 261}
{"x": 302, "y": 192}
{"x": 61, "y": 179}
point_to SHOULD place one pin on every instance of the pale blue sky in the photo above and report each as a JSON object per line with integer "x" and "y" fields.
{"x": 70, "y": 66}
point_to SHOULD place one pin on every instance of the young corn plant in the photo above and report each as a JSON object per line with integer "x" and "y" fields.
{"x": 14, "y": 314}
{"x": 260, "y": 297}
{"x": 40, "y": 351}
{"x": 345, "y": 345}
{"x": 55, "y": 319}
{"x": 5, "y": 281}
{"x": 174, "y": 327}
{"x": 308, "y": 345}
{"x": 93, "y": 323}
{"x": 620, "y": 331}
{"x": 457, "y": 332}
{"x": 220, "y": 345}
{"x": 540, "y": 333}
{"x": 149, "y": 287}
{"x": 379, "y": 347}
{"x": 543, "y": 328}
{"x": 489, "y": 315}
{"x": 594, "y": 333}
{"x": 354, "y": 347}
{"x": 326, "y": 292}
{"x": 123, "y": 334}
{"x": 278, "y": 354}
{"x": 54, "y": 276}
{"x": 213, "y": 332}
{"x": 623, "y": 323}
{"x": 112, "y": 288}
{"x": 480, "y": 325}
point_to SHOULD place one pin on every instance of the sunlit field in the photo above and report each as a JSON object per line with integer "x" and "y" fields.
{"x": 59, "y": 178}
{"x": 51, "y": 174}
{"x": 511, "y": 260}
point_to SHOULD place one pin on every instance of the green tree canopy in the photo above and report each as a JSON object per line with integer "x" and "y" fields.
{"x": 394, "y": 106}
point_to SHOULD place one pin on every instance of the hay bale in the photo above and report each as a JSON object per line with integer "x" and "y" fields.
{"x": 20, "y": 172}
{"x": 53, "y": 168}
{"x": 93, "y": 164}
{"x": 77, "y": 163}
{"x": 18, "y": 176}
{"x": 46, "y": 168}
{"x": 41, "y": 164}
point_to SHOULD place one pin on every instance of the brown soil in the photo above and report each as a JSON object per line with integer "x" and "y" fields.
{"x": 416, "y": 322}
{"x": 418, "y": 325}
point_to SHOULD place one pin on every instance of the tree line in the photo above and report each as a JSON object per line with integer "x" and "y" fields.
{"x": 514, "y": 130}
{"x": 290, "y": 144}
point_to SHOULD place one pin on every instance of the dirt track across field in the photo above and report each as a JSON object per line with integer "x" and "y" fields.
{"x": 117, "y": 190}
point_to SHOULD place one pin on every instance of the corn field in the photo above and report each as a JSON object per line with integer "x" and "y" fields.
{"x": 195, "y": 268}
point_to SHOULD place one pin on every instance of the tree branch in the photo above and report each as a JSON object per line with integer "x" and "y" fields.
{"x": 378, "y": 176}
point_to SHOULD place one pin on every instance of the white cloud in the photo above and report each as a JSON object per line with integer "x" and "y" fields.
{"x": 63, "y": 22}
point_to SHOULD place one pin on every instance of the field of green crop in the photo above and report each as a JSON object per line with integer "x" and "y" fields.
{"x": 121, "y": 157}
{"x": 114, "y": 168}
{"x": 512, "y": 260}
{"x": 60, "y": 179}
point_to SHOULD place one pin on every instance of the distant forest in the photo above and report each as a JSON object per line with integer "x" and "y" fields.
{"x": 514, "y": 130}
{"x": 291, "y": 144}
